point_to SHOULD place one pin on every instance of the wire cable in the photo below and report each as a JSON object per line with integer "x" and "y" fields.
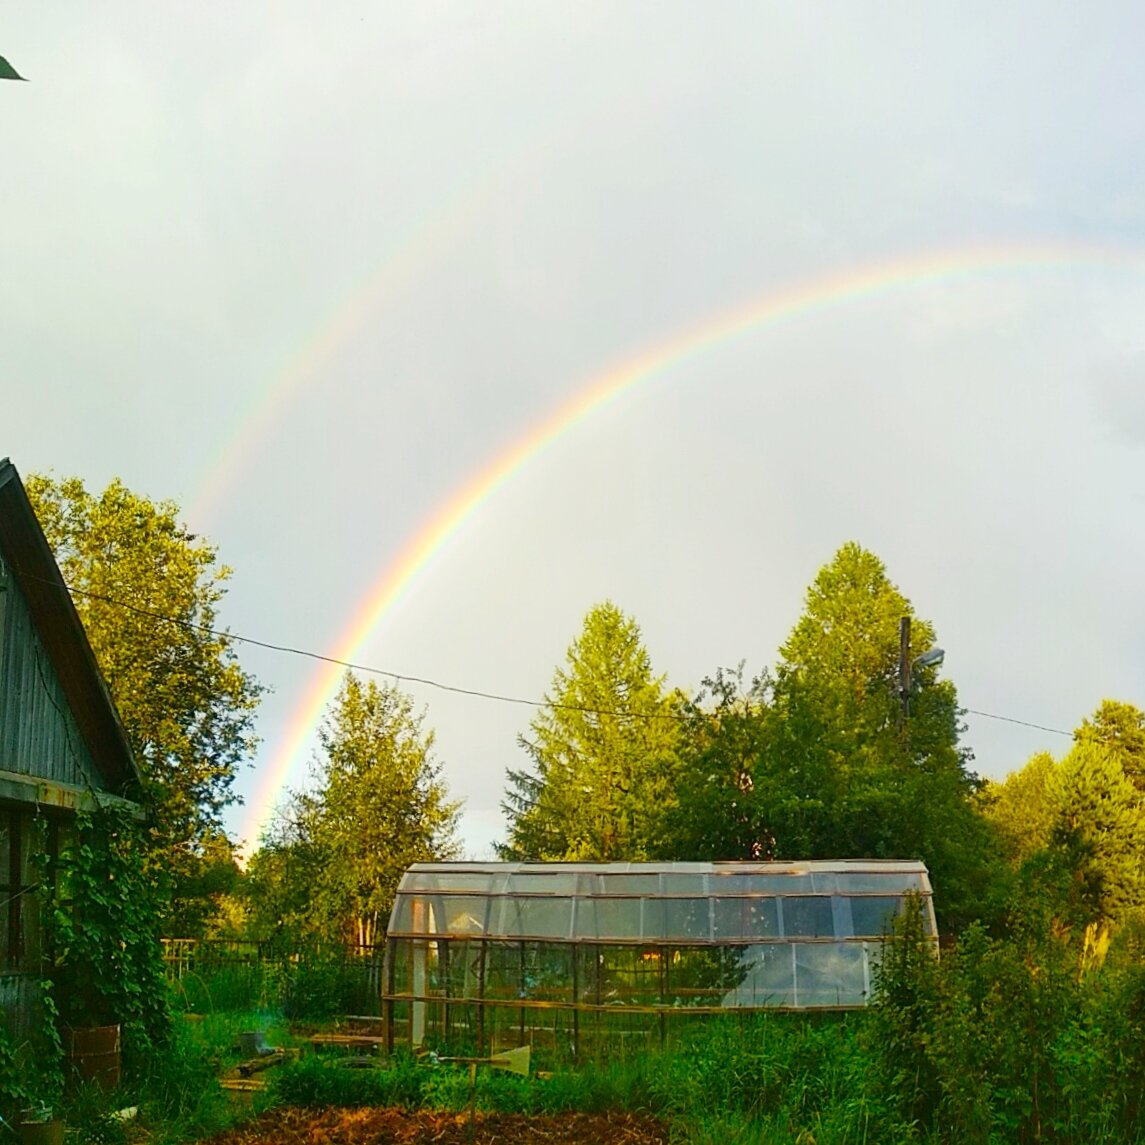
{"x": 404, "y": 678}
{"x": 1021, "y": 723}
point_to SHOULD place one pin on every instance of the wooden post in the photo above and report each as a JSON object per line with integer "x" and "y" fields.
{"x": 904, "y": 671}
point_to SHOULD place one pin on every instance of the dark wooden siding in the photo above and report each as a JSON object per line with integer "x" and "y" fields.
{"x": 38, "y": 734}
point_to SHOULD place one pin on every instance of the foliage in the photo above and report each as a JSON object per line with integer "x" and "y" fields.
{"x": 603, "y": 750}
{"x": 1101, "y": 832}
{"x": 1074, "y": 834}
{"x": 726, "y": 797}
{"x": 864, "y": 787}
{"x": 813, "y": 762}
{"x": 325, "y": 983}
{"x": 1012, "y": 1038}
{"x": 31, "y": 1069}
{"x": 1119, "y": 727}
{"x": 103, "y": 934}
{"x": 186, "y": 703}
{"x": 313, "y": 1082}
{"x": 1023, "y": 807}
{"x": 330, "y": 866}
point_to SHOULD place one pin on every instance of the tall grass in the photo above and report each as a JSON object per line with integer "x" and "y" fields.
{"x": 756, "y": 1078}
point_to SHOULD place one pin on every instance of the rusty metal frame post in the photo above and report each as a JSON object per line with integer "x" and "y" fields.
{"x": 521, "y": 992}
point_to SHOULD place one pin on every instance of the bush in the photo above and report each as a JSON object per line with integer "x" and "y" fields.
{"x": 1011, "y": 1040}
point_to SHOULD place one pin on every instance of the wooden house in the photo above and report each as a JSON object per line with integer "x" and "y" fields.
{"x": 62, "y": 746}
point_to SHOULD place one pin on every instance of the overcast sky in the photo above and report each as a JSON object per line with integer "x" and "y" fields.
{"x": 308, "y": 267}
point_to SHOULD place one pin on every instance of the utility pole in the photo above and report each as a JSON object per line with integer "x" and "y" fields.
{"x": 904, "y": 671}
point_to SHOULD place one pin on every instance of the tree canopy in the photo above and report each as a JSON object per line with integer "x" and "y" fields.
{"x": 1120, "y": 727}
{"x": 331, "y": 863}
{"x": 813, "y": 762}
{"x": 603, "y": 752}
{"x": 147, "y": 591}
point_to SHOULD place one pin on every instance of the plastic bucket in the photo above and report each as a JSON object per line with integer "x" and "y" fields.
{"x": 93, "y": 1054}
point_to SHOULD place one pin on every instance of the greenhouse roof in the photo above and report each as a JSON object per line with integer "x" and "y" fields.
{"x": 694, "y": 903}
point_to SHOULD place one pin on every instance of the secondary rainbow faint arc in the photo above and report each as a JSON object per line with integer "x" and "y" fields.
{"x": 809, "y": 297}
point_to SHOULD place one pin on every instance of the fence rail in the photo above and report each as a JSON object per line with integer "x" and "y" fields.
{"x": 222, "y": 974}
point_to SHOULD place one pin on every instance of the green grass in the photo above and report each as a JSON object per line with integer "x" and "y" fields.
{"x": 1000, "y": 1042}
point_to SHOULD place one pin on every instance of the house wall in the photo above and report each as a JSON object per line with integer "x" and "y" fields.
{"x": 38, "y": 734}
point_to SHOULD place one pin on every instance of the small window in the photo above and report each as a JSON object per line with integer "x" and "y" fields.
{"x": 19, "y": 929}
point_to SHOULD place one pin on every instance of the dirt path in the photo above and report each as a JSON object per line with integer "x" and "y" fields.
{"x": 395, "y": 1127}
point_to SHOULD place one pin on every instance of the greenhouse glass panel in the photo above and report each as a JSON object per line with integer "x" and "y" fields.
{"x": 548, "y": 972}
{"x": 557, "y": 955}
{"x": 401, "y": 917}
{"x": 533, "y": 917}
{"x": 873, "y": 916}
{"x": 687, "y": 883}
{"x": 687, "y": 918}
{"x": 448, "y": 880}
{"x": 459, "y": 914}
{"x": 830, "y": 974}
{"x": 739, "y": 918}
{"x": 557, "y": 883}
{"x": 874, "y": 882}
{"x": 807, "y": 917}
{"x": 630, "y": 884}
{"x": 504, "y": 970}
{"x": 768, "y": 977}
{"x": 756, "y": 884}
{"x": 606, "y": 918}
{"x": 652, "y": 918}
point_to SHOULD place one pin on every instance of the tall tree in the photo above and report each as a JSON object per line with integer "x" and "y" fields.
{"x": 603, "y": 750}
{"x": 147, "y": 591}
{"x": 334, "y": 858}
{"x": 858, "y": 783}
{"x": 1024, "y": 807}
{"x": 727, "y": 803}
{"x": 1119, "y": 727}
{"x": 1101, "y": 829}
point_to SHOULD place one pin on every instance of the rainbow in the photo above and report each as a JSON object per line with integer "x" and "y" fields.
{"x": 429, "y": 236}
{"x": 597, "y": 394}
{"x": 345, "y": 316}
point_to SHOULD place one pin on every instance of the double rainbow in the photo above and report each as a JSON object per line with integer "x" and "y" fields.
{"x": 812, "y": 297}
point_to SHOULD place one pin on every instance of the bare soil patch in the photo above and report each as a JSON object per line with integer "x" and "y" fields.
{"x": 397, "y": 1127}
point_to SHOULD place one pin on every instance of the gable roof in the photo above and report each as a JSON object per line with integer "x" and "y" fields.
{"x": 30, "y": 561}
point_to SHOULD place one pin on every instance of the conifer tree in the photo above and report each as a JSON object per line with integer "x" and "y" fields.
{"x": 335, "y": 854}
{"x": 603, "y": 752}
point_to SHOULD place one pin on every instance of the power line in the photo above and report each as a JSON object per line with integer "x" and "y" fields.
{"x": 1022, "y": 723}
{"x": 402, "y": 677}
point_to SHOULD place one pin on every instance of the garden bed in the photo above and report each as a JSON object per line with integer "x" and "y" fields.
{"x": 398, "y": 1127}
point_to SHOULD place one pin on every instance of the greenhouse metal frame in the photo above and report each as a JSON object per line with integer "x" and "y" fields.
{"x": 503, "y": 954}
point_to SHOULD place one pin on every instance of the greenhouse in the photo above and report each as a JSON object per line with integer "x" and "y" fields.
{"x": 504, "y": 954}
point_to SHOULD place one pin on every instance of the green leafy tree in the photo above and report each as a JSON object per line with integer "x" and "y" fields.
{"x": 816, "y": 761}
{"x": 603, "y": 753}
{"x": 1100, "y": 828}
{"x": 336, "y": 854}
{"x": 1120, "y": 727}
{"x": 147, "y": 591}
{"x": 726, "y": 798}
{"x": 1024, "y": 807}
